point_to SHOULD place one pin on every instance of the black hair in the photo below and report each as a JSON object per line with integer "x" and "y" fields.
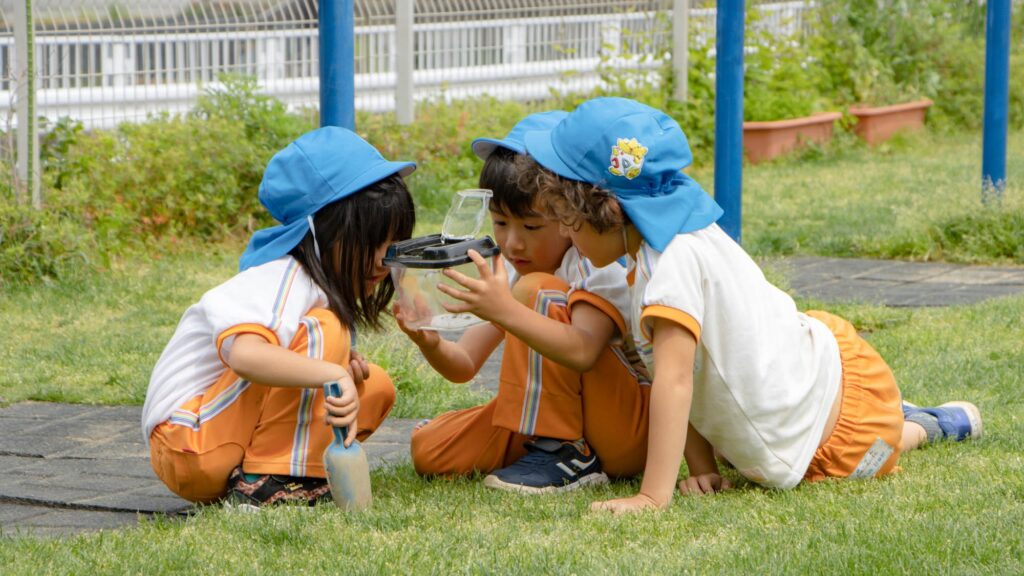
{"x": 499, "y": 175}
{"x": 349, "y": 232}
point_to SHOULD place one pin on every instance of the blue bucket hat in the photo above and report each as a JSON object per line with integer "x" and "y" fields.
{"x": 484, "y": 147}
{"x": 318, "y": 168}
{"x": 637, "y": 153}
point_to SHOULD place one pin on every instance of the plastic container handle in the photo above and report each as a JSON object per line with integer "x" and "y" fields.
{"x": 332, "y": 388}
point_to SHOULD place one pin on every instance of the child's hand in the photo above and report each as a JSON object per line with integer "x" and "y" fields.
{"x": 424, "y": 339}
{"x": 704, "y": 484}
{"x": 636, "y": 503}
{"x": 342, "y": 410}
{"x": 359, "y": 368}
{"x": 489, "y": 297}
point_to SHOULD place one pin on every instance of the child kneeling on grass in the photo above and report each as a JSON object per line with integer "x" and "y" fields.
{"x": 235, "y": 404}
{"x": 784, "y": 396}
{"x": 570, "y": 407}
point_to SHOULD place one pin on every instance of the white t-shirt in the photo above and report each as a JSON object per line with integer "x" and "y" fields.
{"x": 609, "y": 284}
{"x": 275, "y": 296}
{"x": 765, "y": 374}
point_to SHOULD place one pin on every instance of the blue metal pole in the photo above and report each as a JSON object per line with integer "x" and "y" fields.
{"x": 997, "y": 97}
{"x": 337, "y": 64}
{"x": 729, "y": 115}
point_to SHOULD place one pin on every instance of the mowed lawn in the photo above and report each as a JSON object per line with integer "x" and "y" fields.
{"x": 954, "y": 508}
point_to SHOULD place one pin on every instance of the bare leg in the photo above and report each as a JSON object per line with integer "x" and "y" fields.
{"x": 913, "y": 436}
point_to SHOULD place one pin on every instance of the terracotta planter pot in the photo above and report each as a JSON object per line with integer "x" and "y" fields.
{"x": 878, "y": 124}
{"x": 765, "y": 140}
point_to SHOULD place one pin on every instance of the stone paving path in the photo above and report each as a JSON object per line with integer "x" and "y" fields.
{"x": 895, "y": 283}
{"x": 72, "y": 468}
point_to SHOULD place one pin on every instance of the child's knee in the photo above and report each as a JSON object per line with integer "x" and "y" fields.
{"x": 196, "y": 477}
{"x": 526, "y": 288}
{"x": 376, "y": 397}
{"x": 424, "y": 453}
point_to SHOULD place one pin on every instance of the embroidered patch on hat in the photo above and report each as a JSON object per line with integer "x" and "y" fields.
{"x": 627, "y": 158}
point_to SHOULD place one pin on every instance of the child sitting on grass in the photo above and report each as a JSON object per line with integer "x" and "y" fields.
{"x": 235, "y": 405}
{"x": 784, "y": 396}
{"x": 570, "y": 407}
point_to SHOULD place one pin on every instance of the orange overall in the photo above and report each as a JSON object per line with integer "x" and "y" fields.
{"x": 265, "y": 429}
{"x": 607, "y": 405}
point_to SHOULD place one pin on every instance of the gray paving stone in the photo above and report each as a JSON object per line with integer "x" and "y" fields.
{"x": 19, "y": 520}
{"x": 974, "y": 276}
{"x": 894, "y": 283}
{"x": 53, "y": 483}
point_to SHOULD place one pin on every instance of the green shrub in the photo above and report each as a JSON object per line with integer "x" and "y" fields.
{"x": 992, "y": 233}
{"x": 40, "y": 245}
{"x": 782, "y": 77}
{"x": 268, "y": 124}
{"x": 886, "y": 51}
{"x": 167, "y": 177}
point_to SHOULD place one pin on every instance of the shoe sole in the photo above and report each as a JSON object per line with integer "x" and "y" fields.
{"x": 973, "y": 414}
{"x": 595, "y": 479}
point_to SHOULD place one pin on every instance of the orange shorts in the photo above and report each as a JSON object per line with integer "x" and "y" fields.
{"x": 264, "y": 429}
{"x": 867, "y": 438}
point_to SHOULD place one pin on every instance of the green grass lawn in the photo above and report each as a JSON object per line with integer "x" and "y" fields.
{"x": 954, "y": 508}
{"x": 914, "y": 198}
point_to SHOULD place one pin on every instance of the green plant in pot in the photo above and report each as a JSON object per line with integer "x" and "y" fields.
{"x": 783, "y": 108}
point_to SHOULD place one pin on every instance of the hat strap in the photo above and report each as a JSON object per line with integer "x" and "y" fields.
{"x": 316, "y": 246}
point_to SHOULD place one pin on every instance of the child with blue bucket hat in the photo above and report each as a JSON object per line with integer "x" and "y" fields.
{"x": 235, "y": 406}
{"x": 571, "y": 407}
{"x": 784, "y": 396}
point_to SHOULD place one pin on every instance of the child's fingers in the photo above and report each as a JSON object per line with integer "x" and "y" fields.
{"x": 469, "y": 283}
{"x": 481, "y": 264}
{"x": 341, "y": 421}
{"x": 353, "y": 429}
{"x": 357, "y": 371}
{"x": 339, "y": 407}
{"x": 499, "y": 268}
{"x": 456, "y": 308}
{"x": 462, "y": 295}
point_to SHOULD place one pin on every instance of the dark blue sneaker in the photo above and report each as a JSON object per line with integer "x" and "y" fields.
{"x": 950, "y": 421}
{"x": 549, "y": 466}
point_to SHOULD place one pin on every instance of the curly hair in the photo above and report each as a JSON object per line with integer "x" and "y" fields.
{"x": 571, "y": 202}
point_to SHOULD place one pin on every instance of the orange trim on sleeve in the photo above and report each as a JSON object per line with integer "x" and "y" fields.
{"x": 671, "y": 314}
{"x": 601, "y": 304}
{"x": 257, "y": 329}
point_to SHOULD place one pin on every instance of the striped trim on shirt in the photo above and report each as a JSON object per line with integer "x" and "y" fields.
{"x": 207, "y": 412}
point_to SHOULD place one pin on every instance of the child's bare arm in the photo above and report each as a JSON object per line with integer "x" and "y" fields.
{"x": 456, "y": 361}
{"x": 576, "y": 346}
{"x": 671, "y": 397}
{"x": 257, "y": 360}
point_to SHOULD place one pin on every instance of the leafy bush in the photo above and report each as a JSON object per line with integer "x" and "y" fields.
{"x": 886, "y": 51}
{"x": 993, "y": 233}
{"x": 781, "y": 75}
{"x": 167, "y": 177}
{"x": 38, "y": 245}
{"x": 268, "y": 124}
{"x": 147, "y": 185}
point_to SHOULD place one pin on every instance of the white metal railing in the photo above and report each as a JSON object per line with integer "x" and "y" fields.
{"x": 102, "y": 79}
